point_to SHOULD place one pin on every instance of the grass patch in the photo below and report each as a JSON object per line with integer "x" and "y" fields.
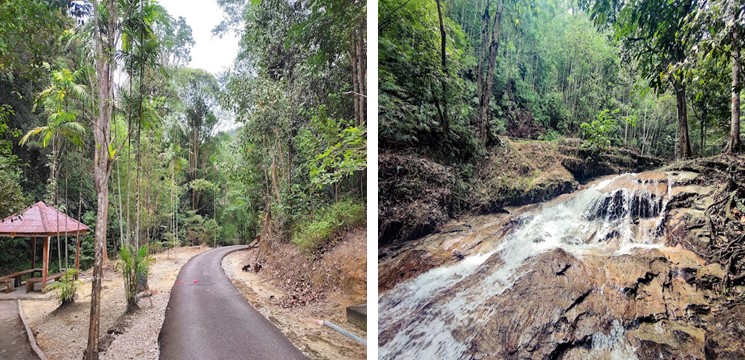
{"x": 328, "y": 223}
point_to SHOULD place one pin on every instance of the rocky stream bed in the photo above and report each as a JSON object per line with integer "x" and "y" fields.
{"x": 632, "y": 266}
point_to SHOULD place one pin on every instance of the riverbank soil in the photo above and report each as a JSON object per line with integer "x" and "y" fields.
{"x": 62, "y": 333}
{"x": 293, "y": 289}
{"x": 418, "y": 195}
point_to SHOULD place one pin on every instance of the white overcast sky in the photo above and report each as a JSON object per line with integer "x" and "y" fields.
{"x": 209, "y": 52}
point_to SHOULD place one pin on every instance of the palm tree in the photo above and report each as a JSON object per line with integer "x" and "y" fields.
{"x": 140, "y": 47}
{"x": 59, "y": 100}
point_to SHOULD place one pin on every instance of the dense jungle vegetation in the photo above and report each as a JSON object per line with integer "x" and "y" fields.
{"x": 101, "y": 117}
{"x": 492, "y": 103}
{"x": 660, "y": 77}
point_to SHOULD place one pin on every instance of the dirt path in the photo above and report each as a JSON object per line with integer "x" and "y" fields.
{"x": 62, "y": 333}
{"x": 208, "y": 318}
{"x": 14, "y": 343}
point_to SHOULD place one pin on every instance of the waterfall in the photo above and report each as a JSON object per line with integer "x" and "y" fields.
{"x": 435, "y": 315}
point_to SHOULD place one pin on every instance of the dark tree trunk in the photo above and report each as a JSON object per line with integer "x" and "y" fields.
{"x": 138, "y": 210}
{"x": 489, "y": 81}
{"x": 355, "y": 78}
{"x": 361, "y": 70}
{"x": 357, "y": 57}
{"x": 443, "y": 82}
{"x": 485, "y": 19}
{"x": 703, "y": 131}
{"x": 683, "y": 141}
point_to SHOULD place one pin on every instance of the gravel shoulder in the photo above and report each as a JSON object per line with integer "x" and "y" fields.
{"x": 297, "y": 323}
{"x": 62, "y": 333}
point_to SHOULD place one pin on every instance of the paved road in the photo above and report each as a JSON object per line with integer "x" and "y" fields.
{"x": 208, "y": 318}
{"x": 13, "y": 338}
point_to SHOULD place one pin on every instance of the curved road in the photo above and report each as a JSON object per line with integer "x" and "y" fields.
{"x": 208, "y": 318}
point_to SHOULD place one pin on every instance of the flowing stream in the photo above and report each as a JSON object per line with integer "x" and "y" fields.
{"x": 435, "y": 315}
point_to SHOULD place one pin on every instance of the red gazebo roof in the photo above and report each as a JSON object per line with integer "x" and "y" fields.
{"x": 40, "y": 220}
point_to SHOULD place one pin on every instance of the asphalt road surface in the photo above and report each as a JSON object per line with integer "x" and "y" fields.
{"x": 208, "y": 318}
{"x": 14, "y": 343}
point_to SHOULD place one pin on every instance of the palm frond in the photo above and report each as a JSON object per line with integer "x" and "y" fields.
{"x": 31, "y": 133}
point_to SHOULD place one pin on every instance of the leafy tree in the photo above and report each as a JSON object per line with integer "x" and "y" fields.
{"x": 599, "y": 134}
{"x": 650, "y": 31}
{"x": 298, "y": 89}
{"x": 720, "y": 25}
{"x": 411, "y": 75}
{"x": 198, "y": 90}
{"x": 59, "y": 100}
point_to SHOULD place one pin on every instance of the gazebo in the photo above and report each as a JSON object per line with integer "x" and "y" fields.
{"x": 42, "y": 221}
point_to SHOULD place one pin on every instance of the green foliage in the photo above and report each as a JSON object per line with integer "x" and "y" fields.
{"x": 199, "y": 230}
{"x": 335, "y": 149}
{"x": 411, "y": 82}
{"x": 558, "y": 66}
{"x": 67, "y": 286}
{"x": 292, "y": 90}
{"x": 202, "y": 185}
{"x": 598, "y": 134}
{"x": 135, "y": 264}
{"x": 12, "y": 198}
{"x": 327, "y": 223}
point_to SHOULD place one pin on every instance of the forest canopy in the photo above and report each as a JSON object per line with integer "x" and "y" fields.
{"x": 658, "y": 77}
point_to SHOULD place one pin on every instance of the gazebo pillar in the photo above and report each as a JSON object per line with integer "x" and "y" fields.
{"x": 33, "y": 259}
{"x": 45, "y": 269}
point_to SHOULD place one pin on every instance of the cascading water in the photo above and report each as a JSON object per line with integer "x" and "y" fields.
{"x": 435, "y": 315}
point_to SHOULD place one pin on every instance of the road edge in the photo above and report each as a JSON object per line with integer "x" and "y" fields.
{"x": 31, "y": 338}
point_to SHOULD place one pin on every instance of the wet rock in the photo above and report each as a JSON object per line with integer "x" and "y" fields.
{"x": 408, "y": 265}
{"x": 601, "y": 302}
{"x": 565, "y": 307}
{"x": 726, "y": 333}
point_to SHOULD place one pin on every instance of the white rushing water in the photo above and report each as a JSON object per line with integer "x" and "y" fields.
{"x": 609, "y": 217}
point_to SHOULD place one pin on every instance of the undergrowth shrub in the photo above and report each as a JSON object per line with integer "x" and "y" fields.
{"x": 67, "y": 285}
{"x": 135, "y": 266}
{"x": 327, "y": 223}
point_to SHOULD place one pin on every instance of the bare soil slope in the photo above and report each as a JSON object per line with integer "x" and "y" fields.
{"x": 294, "y": 289}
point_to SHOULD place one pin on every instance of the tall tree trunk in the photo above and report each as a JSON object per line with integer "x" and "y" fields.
{"x": 485, "y": 19}
{"x": 119, "y": 191}
{"x": 489, "y": 81}
{"x": 138, "y": 171}
{"x": 357, "y": 56}
{"x": 443, "y": 81}
{"x": 703, "y": 131}
{"x": 130, "y": 73}
{"x": 355, "y": 87}
{"x": 101, "y": 162}
{"x": 361, "y": 70}
{"x": 683, "y": 141}
{"x": 733, "y": 145}
{"x": 67, "y": 258}
{"x": 195, "y": 160}
{"x": 138, "y": 210}
{"x": 56, "y": 197}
